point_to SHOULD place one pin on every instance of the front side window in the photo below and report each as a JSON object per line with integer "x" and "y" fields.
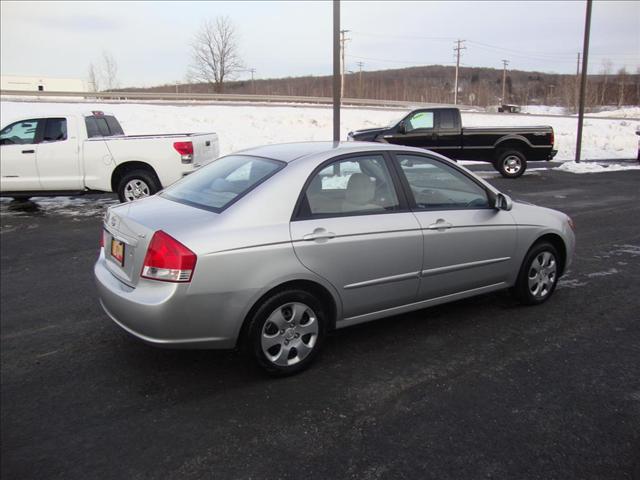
{"x": 435, "y": 185}
{"x": 419, "y": 120}
{"x": 220, "y": 183}
{"x": 353, "y": 186}
{"x": 19, "y": 133}
{"x": 55, "y": 130}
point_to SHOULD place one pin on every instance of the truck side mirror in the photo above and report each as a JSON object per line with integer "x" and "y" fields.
{"x": 402, "y": 128}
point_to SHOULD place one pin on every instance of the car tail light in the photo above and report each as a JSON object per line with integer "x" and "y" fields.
{"x": 571, "y": 223}
{"x": 553, "y": 138}
{"x": 102, "y": 234}
{"x": 185, "y": 149}
{"x": 168, "y": 260}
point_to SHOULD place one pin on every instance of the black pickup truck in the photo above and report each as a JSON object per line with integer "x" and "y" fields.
{"x": 440, "y": 130}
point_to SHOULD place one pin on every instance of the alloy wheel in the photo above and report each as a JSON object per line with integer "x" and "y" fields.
{"x": 542, "y": 274}
{"x": 289, "y": 334}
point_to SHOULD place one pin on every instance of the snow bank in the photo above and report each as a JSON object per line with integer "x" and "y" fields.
{"x": 244, "y": 126}
{"x": 543, "y": 110}
{"x": 589, "y": 167}
{"x": 625, "y": 112}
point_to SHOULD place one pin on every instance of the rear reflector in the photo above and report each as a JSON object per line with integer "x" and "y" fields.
{"x": 185, "y": 149}
{"x": 168, "y": 260}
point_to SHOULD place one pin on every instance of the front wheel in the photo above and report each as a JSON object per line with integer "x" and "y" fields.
{"x": 538, "y": 275}
{"x": 137, "y": 184}
{"x": 287, "y": 331}
{"x": 511, "y": 163}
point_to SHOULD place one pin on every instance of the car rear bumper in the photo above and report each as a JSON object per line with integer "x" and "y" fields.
{"x": 160, "y": 313}
{"x": 552, "y": 154}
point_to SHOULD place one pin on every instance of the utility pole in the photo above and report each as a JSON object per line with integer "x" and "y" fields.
{"x": 577, "y": 94}
{"x": 360, "y": 65}
{"x": 583, "y": 80}
{"x": 504, "y": 80}
{"x": 336, "y": 70}
{"x": 253, "y": 83}
{"x": 343, "y": 41}
{"x": 455, "y": 87}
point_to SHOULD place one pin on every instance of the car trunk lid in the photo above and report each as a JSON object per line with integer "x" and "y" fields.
{"x": 129, "y": 228}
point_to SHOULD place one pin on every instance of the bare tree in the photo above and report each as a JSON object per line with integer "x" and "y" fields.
{"x": 622, "y": 75}
{"x": 94, "y": 81}
{"x": 606, "y": 70}
{"x": 109, "y": 71}
{"x": 215, "y": 53}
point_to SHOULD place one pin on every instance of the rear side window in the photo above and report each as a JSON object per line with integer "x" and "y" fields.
{"x": 353, "y": 186}
{"x": 103, "y": 126}
{"x": 19, "y": 133}
{"x": 222, "y": 182}
{"x": 114, "y": 126}
{"x": 447, "y": 119}
{"x": 55, "y": 130}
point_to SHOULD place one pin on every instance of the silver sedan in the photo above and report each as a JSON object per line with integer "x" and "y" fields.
{"x": 274, "y": 246}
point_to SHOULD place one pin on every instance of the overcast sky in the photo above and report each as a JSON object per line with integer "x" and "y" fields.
{"x": 150, "y": 40}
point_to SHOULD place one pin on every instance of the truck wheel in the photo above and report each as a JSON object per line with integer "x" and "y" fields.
{"x": 511, "y": 163}
{"x": 137, "y": 184}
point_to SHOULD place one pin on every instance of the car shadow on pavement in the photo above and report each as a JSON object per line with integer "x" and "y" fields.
{"x": 192, "y": 374}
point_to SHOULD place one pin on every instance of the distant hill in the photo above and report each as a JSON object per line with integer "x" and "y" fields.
{"x": 434, "y": 83}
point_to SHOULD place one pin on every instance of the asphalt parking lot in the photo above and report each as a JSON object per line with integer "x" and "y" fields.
{"x": 481, "y": 388}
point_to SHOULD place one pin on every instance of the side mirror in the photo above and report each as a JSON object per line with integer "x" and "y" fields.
{"x": 503, "y": 202}
{"x": 402, "y": 128}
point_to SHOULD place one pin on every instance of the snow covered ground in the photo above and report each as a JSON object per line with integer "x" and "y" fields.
{"x": 244, "y": 126}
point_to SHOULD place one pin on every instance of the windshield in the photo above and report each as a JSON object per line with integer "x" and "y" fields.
{"x": 222, "y": 182}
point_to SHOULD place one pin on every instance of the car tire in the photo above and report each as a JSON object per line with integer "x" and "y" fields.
{"x": 538, "y": 276}
{"x": 137, "y": 184}
{"x": 287, "y": 331}
{"x": 510, "y": 163}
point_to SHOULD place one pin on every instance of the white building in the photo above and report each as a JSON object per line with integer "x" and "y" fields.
{"x": 43, "y": 84}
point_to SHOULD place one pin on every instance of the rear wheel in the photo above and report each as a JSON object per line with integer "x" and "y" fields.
{"x": 287, "y": 331}
{"x": 137, "y": 184}
{"x": 538, "y": 275}
{"x": 511, "y": 163}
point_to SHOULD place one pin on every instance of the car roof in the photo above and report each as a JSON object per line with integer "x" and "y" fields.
{"x": 289, "y": 152}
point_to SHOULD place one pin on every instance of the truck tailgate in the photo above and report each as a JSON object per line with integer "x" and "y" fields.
{"x": 205, "y": 148}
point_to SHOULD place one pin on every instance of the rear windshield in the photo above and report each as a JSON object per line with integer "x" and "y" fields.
{"x": 222, "y": 182}
{"x": 103, "y": 126}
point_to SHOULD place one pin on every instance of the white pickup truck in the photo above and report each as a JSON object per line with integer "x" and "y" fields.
{"x": 75, "y": 154}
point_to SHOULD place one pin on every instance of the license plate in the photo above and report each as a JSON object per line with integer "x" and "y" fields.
{"x": 117, "y": 250}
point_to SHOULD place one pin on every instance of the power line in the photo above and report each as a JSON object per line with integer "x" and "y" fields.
{"x": 413, "y": 37}
{"x": 416, "y": 63}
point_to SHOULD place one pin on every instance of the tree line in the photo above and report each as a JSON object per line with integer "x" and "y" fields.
{"x": 216, "y": 62}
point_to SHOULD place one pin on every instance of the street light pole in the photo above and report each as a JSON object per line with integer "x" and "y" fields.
{"x": 336, "y": 71}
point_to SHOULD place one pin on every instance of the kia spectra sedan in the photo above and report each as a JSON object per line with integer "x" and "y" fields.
{"x": 272, "y": 247}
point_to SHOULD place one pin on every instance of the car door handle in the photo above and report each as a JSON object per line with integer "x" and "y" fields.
{"x": 319, "y": 234}
{"x": 440, "y": 225}
{"x": 28, "y": 151}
